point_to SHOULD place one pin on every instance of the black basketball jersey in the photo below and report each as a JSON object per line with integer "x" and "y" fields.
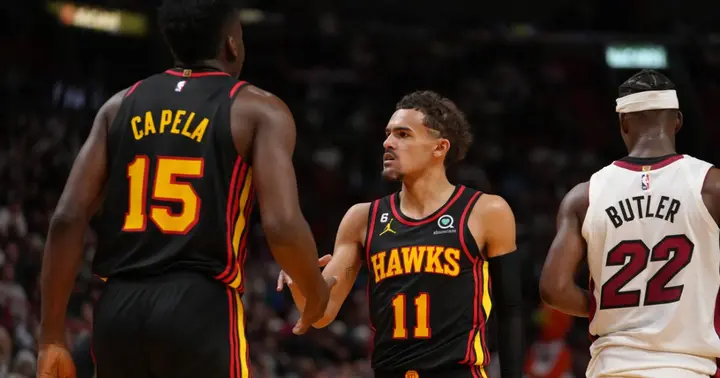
{"x": 429, "y": 287}
{"x": 178, "y": 195}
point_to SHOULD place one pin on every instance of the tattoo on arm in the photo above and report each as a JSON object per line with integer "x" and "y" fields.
{"x": 350, "y": 272}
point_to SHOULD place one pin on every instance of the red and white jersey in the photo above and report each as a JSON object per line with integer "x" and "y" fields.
{"x": 654, "y": 256}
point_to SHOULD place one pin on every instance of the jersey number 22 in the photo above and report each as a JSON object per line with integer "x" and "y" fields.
{"x": 656, "y": 291}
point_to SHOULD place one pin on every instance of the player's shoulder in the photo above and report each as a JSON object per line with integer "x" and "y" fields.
{"x": 490, "y": 205}
{"x": 117, "y": 98}
{"x": 576, "y": 201}
{"x": 711, "y": 186}
{"x": 253, "y": 95}
{"x": 609, "y": 169}
{"x": 355, "y": 221}
{"x": 108, "y": 111}
{"x": 359, "y": 211}
{"x": 254, "y": 102}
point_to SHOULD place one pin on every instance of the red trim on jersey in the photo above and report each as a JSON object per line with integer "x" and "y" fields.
{"x": 132, "y": 89}
{"x": 478, "y": 313}
{"x": 368, "y": 241}
{"x": 471, "y": 336}
{"x": 593, "y": 308}
{"x": 463, "y": 221}
{"x": 229, "y": 211}
{"x": 414, "y": 223}
{"x": 371, "y": 230}
{"x": 192, "y": 74}
{"x": 478, "y": 316}
{"x": 237, "y": 86}
{"x": 234, "y": 218}
{"x": 648, "y": 167}
{"x": 240, "y": 188}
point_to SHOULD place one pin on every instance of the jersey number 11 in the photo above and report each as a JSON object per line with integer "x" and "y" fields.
{"x": 422, "y": 317}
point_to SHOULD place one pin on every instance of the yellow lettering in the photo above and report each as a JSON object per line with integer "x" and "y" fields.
{"x": 433, "y": 260}
{"x": 200, "y": 130}
{"x": 149, "y": 124}
{"x": 394, "y": 267}
{"x": 165, "y": 119}
{"x": 452, "y": 256}
{"x": 176, "y": 123}
{"x": 378, "y": 263}
{"x": 185, "y": 129}
{"x": 412, "y": 257}
{"x": 134, "y": 124}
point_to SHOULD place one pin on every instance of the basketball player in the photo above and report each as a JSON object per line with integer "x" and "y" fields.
{"x": 431, "y": 250}
{"x": 177, "y": 158}
{"x": 649, "y": 222}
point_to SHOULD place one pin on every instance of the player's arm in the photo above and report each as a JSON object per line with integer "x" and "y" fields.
{"x": 346, "y": 260}
{"x": 77, "y": 204}
{"x": 711, "y": 193}
{"x": 288, "y": 233}
{"x": 344, "y": 264}
{"x": 557, "y": 281}
{"x": 495, "y": 220}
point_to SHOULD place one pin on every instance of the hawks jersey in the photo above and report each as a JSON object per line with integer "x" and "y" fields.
{"x": 429, "y": 287}
{"x": 178, "y": 195}
{"x": 654, "y": 262}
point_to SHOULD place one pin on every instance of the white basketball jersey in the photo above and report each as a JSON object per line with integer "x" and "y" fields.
{"x": 654, "y": 258}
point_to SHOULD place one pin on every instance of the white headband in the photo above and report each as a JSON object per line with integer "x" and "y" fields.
{"x": 649, "y": 100}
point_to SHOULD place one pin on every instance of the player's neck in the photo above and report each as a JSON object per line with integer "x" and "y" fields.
{"x": 423, "y": 195}
{"x": 652, "y": 146}
{"x": 210, "y": 64}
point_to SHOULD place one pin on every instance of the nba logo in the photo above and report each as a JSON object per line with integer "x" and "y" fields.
{"x": 179, "y": 86}
{"x": 645, "y": 181}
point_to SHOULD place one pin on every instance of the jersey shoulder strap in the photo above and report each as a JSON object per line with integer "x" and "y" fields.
{"x": 371, "y": 224}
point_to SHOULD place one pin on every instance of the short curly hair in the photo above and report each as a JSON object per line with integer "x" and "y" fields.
{"x": 442, "y": 115}
{"x": 193, "y": 28}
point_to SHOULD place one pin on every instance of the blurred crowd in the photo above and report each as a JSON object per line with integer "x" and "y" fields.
{"x": 543, "y": 121}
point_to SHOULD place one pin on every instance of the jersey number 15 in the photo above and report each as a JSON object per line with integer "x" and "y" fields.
{"x": 165, "y": 188}
{"x": 656, "y": 290}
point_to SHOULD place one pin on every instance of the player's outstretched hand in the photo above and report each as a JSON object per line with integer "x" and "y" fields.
{"x": 284, "y": 279}
{"x": 315, "y": 306}
{"x": 55, "y": 361}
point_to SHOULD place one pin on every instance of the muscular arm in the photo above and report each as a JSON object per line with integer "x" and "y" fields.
{"x": 711, "y": 193}
{"x": 346, "y": 262}
{"x": 288, "y": 233}
{"x": 343, "y": 266}
{"x": 557, "y": 282}
{"x": 496, "y": 223}
{"x": 77, "y": 204}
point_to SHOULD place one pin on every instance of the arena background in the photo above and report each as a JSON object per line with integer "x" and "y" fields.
{"x": 537, "y": 79}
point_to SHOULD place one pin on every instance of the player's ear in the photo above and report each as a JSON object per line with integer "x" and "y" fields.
{"x": 679, "y": 121}
{"x": 231, "y": 48}
{"x": 623, "y": 123}
{"x": 441, "y": 148}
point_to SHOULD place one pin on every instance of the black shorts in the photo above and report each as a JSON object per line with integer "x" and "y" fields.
{"x": 181, "y": 325}
{"x": 459, "y": 371}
